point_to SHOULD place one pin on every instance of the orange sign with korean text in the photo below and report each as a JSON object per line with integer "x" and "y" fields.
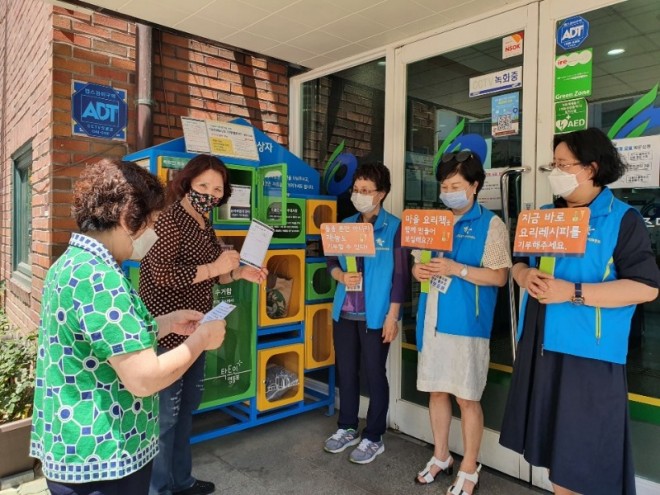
{"x": 348, "y": 239}
{"x": 554, "y": 232}
{"x": 427, "y": 229}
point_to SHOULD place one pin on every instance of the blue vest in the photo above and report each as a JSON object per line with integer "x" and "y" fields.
{"x": 465, "y": 309}
{"x": 378, "y": 272}
{"x": 587, "y": 331}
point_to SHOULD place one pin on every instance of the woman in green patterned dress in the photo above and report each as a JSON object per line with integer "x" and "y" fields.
{"x": 95, "y": 409}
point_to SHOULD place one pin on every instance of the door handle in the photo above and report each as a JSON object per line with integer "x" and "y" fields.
{"x": 545, "y": 168}
{"x": 504, "y": 192}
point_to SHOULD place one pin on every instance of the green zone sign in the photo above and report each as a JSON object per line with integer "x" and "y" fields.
{"x": 570, "y": 115}
{"x": 573, "y": 75}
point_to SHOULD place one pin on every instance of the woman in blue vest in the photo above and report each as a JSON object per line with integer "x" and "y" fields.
{"x": 455, "y": 317}
{"x": 366, "y": 315}
{"x": 568, "y": 406}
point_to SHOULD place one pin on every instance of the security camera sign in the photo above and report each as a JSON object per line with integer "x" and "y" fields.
{"x": 572, "y": 32}
{"x": 98, "y": 111}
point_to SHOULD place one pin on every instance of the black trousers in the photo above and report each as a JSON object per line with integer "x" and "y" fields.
{"x": 133, "y": 484}
{"x": 355, "y": 345}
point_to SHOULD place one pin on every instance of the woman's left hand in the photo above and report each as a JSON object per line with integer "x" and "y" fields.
{"x": 252, "y": 274}
{"x": 444, "y": 266}
{"x": 390, "y": 329}
{"x": 558, "y": 291}
{"x": 182, "y": 322}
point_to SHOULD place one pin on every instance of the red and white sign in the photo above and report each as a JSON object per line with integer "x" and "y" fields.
{"x": 512, "y": 45}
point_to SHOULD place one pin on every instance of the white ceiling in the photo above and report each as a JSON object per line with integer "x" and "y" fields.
{"x": 310, "y": 33}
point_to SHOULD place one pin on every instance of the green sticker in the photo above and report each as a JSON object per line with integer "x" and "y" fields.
{"x": 570, "y": 115}
{"x": 573, "y": 75}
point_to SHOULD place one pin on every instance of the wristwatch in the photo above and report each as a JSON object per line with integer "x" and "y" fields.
{"x": 464, "y": 271}
{"x": 577, "y": 298}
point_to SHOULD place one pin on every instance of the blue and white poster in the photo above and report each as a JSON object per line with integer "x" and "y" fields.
{"x": 98, "y": 111}
{"x": 505, "y": 113}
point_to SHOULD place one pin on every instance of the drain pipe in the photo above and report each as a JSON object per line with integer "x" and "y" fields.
{"x": 144, "y": 99}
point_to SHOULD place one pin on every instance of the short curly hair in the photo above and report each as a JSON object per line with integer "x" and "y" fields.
{"x": 111, "y": 187}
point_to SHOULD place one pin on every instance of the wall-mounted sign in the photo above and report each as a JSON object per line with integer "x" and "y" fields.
{"x": 642, "y": 157}
{"x": 98, "y": 111}
{"x": 490, "y": 195}
{"x": 512, "y": 45}
{"x": 427, "y": 229}
{"x": 570, "y": 115}
{"x": 496, "y": 81}
{"x": 572, "y": 32}
{"x": 348, "y": 239}
{"x": 573, "y": 75}
{"x": 219, "y": 138}
{"x": 505, "y": 114}
{"x": 557, "y": 231}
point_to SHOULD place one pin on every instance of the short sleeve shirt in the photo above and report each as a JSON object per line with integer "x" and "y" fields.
{"x": 86, "y": 426}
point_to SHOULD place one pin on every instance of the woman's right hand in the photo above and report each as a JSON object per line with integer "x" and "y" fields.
{"x": 534, "y": 281}
{"x": 213, "y": 333}
{"x": 226, "y": 262}
{"x": 351, "y": 279}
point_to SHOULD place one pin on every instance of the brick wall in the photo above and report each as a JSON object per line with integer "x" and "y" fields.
{"x": 342, "y": 111}
{"x": 25, "y": 55}
{"x": 46, "y": 48}
{"x": 193, "y": 77}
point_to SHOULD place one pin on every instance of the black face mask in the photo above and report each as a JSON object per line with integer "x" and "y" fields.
{"x": 202, "y": 203}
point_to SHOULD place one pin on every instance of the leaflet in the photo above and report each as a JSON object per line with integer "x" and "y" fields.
{"x": 256, "y": 244}
{"x": 220, "y": 312}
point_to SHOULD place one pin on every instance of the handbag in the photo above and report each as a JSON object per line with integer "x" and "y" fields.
{"x": 278, "y": 295}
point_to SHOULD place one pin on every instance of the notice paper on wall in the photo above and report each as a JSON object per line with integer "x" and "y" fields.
{"x": 642, "y": 158}
{"x": 256, "y": 244}
{"x": 195, "y": 135}
{"x": 220, "y": 312}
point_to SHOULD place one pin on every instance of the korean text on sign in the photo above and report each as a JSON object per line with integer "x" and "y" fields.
{"x": 427, "y": 229}
{"x": 348, "y": 239}
{"x": 555, "y": 232}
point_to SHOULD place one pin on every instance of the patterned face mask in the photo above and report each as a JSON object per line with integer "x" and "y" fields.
{"x": 202, "y": 203}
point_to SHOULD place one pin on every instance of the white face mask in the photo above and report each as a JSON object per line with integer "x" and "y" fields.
{"x": 143, "y": 244}
{"x": 563, "y": 183}
{"x": 363, "y": 203}
{"x": 456, "y": 200}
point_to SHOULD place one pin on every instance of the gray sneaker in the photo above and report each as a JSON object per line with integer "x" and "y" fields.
{"x": 341, "y": 440}
{"x": 367, "y": 451}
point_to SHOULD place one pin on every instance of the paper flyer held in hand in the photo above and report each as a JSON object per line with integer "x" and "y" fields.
{"x": 256, "y": 244}
{"x": 220, "y": 312}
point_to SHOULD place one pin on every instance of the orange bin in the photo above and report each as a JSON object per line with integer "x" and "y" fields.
{"x": 320, "y": 211}
{"x": 288, "y": 265}
{"x": 319, "y": 348}
{"x": 289, "y": 357}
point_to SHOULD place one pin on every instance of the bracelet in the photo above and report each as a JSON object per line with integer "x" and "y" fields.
{"x": 208, "y": 272}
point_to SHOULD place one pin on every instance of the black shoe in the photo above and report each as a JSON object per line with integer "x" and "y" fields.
{"x": 199, "y": 488}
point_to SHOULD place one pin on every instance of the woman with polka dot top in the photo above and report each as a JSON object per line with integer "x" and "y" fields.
{"x": 179, "y": 272}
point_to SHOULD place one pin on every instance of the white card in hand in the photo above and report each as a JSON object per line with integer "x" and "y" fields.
{"x": 441, "y": 283}
{"x": 220, "y": 312}
{"x": 256, "y": 244}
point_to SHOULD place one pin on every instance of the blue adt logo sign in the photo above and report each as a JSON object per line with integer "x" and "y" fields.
{"x": 99, "y": 111}
{"x": 572, "y": 32}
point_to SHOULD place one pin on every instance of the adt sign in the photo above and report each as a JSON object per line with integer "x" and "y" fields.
{"x": 572, "y": 32}
{"x": 99, "y": 111}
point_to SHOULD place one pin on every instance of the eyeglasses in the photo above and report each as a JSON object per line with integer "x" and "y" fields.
{"x": 460, "y": 156}
{"x": 367, "y": 192}
{"x": 564, "y": 166}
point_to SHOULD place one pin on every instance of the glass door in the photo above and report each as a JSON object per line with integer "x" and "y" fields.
{"x": 601, "y": 58}
{"x": 473, "y": 87}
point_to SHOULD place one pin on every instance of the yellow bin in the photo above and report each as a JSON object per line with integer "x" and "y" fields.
{"x": 287, "y": 265}
{"x": 319, "y": 349}
{"x": 320, "y": 211}
{"x": 289, "y": 357}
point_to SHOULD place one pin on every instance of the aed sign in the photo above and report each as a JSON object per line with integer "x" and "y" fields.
{"x": 98, "y": 111}
{"x": 572, "y": 32}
